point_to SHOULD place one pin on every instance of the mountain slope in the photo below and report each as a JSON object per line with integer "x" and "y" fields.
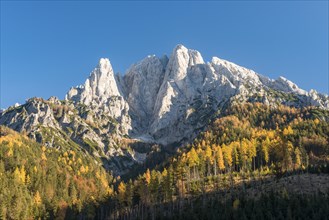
{"x": 160, "y": 102}
{"x": 61, "y": 125}
{"x": 253, "y": 161}
{"x": 40, "y": 182}
{"x": 236, "y": 164}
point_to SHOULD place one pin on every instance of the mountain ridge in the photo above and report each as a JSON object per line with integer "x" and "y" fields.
{"x": 160, "y": 101}
{"x": 156, "y": 90}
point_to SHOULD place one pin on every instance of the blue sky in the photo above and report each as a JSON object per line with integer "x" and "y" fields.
{"x": 48, "y": 47}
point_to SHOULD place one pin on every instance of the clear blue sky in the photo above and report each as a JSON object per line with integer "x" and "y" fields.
{"x": 48, "y": 47}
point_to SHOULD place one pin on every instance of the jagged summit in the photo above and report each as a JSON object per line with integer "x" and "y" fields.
{"x": 164, "y": 98}
{"x": 193, "y": 56}
{"x": 180, "y": 59}
{"x": 101, "y": 84}
{"x": 104, "y": 63}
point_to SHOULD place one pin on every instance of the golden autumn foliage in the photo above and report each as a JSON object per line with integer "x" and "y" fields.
{"x": 227, "y": 155}
{"x": 121, "y": 191}
{"x": 82, "y": 169}
{"x": 208, "y": 154}
{"x": 316, "y": 121}
{"x": 12, "y": 139}
{"x": 254, "y": 137}
{"x": 43, "y": 156}
{"x": 192, "y": 158}
{"x": 147, "y": 176}
{"x": 37, "y": 199}
{"x": 288, "y": 131}
{"x": 219, "y": 158}
{"x": 20, "y": 174}
{"x": 10, "y": 152}
{"x": 46, "y": 176}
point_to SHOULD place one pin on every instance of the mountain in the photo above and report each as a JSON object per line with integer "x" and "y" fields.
{"x": 159, "y": 102}
{"x": 162, "y": 100}
{"x": 173, "y": 138}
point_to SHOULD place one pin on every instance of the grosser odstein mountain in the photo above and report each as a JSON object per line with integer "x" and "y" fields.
{"x": 174, "y": 137}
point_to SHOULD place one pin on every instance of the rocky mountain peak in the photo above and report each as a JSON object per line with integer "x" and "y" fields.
{"x": 105, "y": 65}
{"x": 103, "y": 92}
{"x": 167, "y": 100}
{"x": 180, "y": 59}
{"x": 100, "y": 85}
{"x": 193, "y": 57}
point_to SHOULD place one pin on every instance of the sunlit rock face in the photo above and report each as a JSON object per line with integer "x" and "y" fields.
{"x": 166, "y": 100}
{"x": 103, "y": 93}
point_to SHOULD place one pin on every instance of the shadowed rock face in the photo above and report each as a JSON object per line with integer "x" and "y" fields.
{"x": 167, "y": 100}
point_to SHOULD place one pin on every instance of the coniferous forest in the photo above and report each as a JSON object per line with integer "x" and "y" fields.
{"x": 252, "y": 162}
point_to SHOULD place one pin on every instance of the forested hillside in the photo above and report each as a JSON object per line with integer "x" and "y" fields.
{"x": 39, "y": 182}
{"x": 252, "y": 161}
{"x": 249, "y": 146}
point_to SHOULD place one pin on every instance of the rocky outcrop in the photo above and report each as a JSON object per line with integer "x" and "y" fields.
{"x": 103, "y": 93}
{"x": 100, "y": 85}
{"x": 62, "y": 125}
{"x": 27, "y": 117}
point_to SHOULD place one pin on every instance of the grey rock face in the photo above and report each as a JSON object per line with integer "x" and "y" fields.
{"x": 27, "y": 117}
{"x": 142, "y": 82}
{"x": 103, "y": 93}
{"x": 98, "y": 87}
